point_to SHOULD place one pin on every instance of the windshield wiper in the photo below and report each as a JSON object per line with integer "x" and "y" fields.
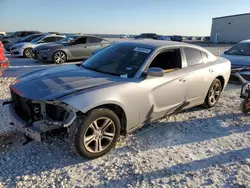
{"x": 104, "y": 72}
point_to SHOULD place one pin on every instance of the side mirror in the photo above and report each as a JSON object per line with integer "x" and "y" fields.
{"x": 155, "y": 71}
{"x": 41, "y": 41}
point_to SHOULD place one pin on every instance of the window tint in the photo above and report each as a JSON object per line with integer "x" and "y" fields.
{"x": 118, "y": 59}
{"x": 19, "y": 34}
{"x": 94, "y": 40}
{"x": 81, "y": 40}
{"x": 50, "y": 39}
{"x": 193, "y": 56}
{"x": 170, "y": 59}
{"x": 59, "y": 38}
{"x": 23, "y": 34}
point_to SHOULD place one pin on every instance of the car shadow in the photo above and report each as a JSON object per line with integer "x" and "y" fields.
{"x": 185, "y": 168}
{"x": 194, "y": 129}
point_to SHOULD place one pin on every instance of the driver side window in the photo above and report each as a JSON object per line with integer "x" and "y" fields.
{"x": 168, "y": 60}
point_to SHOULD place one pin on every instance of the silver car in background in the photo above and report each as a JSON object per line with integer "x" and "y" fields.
{"x": 116, "y": 91}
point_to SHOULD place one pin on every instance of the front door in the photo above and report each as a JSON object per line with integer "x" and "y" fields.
{"x": 166, "y": 94}
{"x": 78, "y": 48}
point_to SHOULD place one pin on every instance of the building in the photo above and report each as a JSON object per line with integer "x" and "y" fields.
{"x": 233, "y": 28}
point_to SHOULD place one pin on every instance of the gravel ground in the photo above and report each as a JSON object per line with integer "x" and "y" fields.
{"x": 196, "y": 148}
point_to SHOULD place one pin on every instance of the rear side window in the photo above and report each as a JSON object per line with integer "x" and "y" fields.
{"x": 193, "y": 56}
{"x": 59, "y": 38}
{"x": 94, "y": 40}
{"x": 50, "y": 39}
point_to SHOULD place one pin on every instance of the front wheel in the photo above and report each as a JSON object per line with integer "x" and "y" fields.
{"x": 96, "y": 134}
{"x": 213, "y": 94}
{"x": 27, "y": 52}
{"x": 59, "y": 57}
{"x": 244, "y": 107}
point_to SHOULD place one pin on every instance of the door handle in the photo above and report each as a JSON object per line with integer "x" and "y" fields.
{"x": 182, "y": 80}
{"x": 211, "y": 70}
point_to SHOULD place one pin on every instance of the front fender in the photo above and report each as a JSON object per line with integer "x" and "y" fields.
{"x": 85, "y": 101}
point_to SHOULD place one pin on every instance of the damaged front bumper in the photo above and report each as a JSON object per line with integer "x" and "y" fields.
{"x": 36, "y": 130}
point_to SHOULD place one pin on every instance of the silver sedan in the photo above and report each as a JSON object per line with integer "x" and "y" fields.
{"x": 116, "y": 91}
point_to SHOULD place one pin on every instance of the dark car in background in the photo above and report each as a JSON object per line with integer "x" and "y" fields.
{"x": 147, "y": 36}
{"x": 206, "y": 39}
{"x": 15, "y": 36}
{"x": 74, "y": 47}
{"x": 176, "y": 38}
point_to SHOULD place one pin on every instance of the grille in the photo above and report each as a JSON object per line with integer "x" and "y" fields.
{"x": 27, "y": 110}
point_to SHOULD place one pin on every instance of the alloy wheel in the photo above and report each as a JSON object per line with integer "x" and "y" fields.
{"x": 28, "y": 52}
{"x": 214, "y": 93}
{"x": 59, "y": 57}
{"x": 99, "y": 135}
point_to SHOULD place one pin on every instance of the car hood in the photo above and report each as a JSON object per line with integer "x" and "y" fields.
{"x": 237, "y": 61}
{"x": 53, "y": 83}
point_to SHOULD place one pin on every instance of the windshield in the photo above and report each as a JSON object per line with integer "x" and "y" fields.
{"x": 118, "y": 59}
{"x": 67, "y": 39}
{"x": 30, "y": 38}
{"x": 242, "y": 49}
{"x": 14, "y": 34}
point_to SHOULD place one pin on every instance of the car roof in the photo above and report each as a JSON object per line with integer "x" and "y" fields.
{"x": 152, "y": 43}
{"x": 245, "y": 41}
{"x": 159, "y": 44}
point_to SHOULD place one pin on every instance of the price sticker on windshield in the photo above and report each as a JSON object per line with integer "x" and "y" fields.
{"x": 143, "y": 50}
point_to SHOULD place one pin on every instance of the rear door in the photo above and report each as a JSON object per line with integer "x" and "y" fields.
{"x": 200, "y": 74}
{"x": 78, "y": 48}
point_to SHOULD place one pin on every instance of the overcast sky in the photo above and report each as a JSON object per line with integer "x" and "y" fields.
{"x": 184, "y": 17}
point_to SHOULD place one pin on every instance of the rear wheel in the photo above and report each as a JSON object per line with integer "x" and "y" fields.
{"x": 96, "y": 134}
{"x": 213, "y": 94}
{"x": 27, "y": 52}
{"x": 59, "y": 57}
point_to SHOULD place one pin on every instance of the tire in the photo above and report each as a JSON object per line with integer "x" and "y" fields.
{"x": 59, "y": 57}
{"x": 27, "y": 52}
{"x": 243, "y": 106}
{"x": 217, "y": 88}
{"x": 85, "y": 142}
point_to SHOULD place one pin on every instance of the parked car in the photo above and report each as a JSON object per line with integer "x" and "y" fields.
{"x": 71, "y": 48}
{"x": 161, "y": 37}
{"x": 206, "y": 39}
{"x": 4, "y": 61}
{"x": 2, "y": 34}
{"x": 147, "y": 36}
{"x": 239, "y": 56}
{"x": 29, "y": 38}
{"x": 176, "y": 38}
{"x": 24, "y": 49}
{"x": 116, "y": 91}
{"x": 124, "y": 36}
{"x": 15, "y": 36}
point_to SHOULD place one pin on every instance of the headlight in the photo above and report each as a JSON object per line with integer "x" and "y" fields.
{"x": 45, "y": 50}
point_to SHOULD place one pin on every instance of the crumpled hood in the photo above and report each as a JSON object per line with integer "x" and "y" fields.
{"x": 237, "y": 61}
{"x": 53, "y": 83}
